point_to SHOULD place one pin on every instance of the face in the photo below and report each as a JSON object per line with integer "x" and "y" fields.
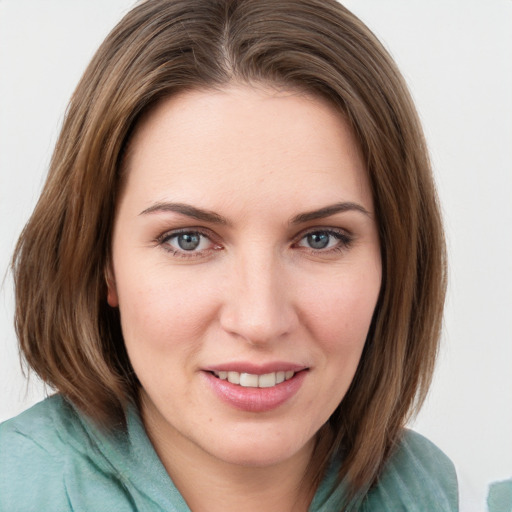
{"x": 246, "y": 268}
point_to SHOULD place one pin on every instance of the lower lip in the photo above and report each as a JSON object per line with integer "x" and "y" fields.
{"x": 255, "y": 399}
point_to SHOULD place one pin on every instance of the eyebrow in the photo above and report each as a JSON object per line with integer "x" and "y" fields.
{"x": 327, "y": 211}
{"x": 215, "y": 218}
{"x": 188, "y": 210}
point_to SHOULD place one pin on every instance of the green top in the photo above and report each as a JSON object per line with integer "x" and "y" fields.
{"x": 54, "y": 459}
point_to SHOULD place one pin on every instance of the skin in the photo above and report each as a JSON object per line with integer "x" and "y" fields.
{"x": 254, "y": 290}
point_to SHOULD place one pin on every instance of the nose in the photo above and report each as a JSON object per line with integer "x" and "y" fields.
{"x": 258, "y": 300}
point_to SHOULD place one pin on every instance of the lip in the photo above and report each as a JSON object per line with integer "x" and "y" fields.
{"x": 256, "y": 369}
{"x": 255, "y": 399}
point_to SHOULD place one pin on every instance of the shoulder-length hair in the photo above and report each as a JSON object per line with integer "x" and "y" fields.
{"x": 72, "y": 338}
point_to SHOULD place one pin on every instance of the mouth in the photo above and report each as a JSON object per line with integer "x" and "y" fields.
{"x": 261, "y": 391}
{"x": 251, "y": 380}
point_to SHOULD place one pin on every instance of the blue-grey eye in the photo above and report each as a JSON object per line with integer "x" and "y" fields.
{"x": 188, "y": 241}
{"x": 318, "y": 240}
{"x": 324, "y": 239}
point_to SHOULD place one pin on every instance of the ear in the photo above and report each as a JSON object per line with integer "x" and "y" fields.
{"x": 112, "y": 298}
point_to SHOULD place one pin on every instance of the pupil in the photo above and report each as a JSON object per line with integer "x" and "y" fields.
{"x": 188, "y": 241}
{"x": 318, "y": 240}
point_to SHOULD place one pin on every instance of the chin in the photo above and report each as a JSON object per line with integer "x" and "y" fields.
{"x": 262, "y": 452}
{"x": 261, "y": 459}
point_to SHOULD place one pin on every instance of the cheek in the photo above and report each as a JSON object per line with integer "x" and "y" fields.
{"x": 340, "y": 312}
{"x": 159, "y": 310}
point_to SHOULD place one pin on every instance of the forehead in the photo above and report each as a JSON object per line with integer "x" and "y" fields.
{"x": 246, "y": 142}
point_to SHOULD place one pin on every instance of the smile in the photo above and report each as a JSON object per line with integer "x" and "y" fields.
{"x": 249, "y": 380}
{"x": 255, "y": 392}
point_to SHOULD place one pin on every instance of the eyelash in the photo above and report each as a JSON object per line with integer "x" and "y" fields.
{"x": 343, "y": 238}
{"x": 165, "y": 238}
{"x": 344, "y": 241}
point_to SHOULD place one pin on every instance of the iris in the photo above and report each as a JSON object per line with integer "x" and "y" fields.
{"x": 318, "y": 240}
{"x": 189, "y": 241}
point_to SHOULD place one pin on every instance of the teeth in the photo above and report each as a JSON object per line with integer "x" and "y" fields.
{"x": 267, "y": 381}
{"x": 234, "y": 377}
{"x": 249, "y": 380}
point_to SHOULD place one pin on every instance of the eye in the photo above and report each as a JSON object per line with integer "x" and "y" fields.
{"x": 325, "y": 240}
{"x": 187, "y": 243}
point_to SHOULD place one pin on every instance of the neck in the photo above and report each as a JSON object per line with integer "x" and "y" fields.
{"x": 273, "y": 489}
{"x": 207, "y": 483}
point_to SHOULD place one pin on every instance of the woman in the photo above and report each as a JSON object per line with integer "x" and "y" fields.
{"x": 235, "y": 274}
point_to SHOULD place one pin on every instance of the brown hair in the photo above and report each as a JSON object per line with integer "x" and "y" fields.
{"x": 67, "y": 332}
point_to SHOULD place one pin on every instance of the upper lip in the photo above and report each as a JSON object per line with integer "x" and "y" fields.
{"x": 256, "y": 369}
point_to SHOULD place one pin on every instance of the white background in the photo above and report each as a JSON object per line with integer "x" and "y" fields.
{"x": 457, "y": 58}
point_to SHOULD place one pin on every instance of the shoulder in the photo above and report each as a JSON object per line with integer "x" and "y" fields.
{"x": 31, "y": 451}
{"x": 50, "y": 460}
{"x": 50, "y": 429}
{"x": 54, "y": 458}
{"x": 41, "y": 418}
{"x": 416, "y": 451}
{"x": 417, "y": 477}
